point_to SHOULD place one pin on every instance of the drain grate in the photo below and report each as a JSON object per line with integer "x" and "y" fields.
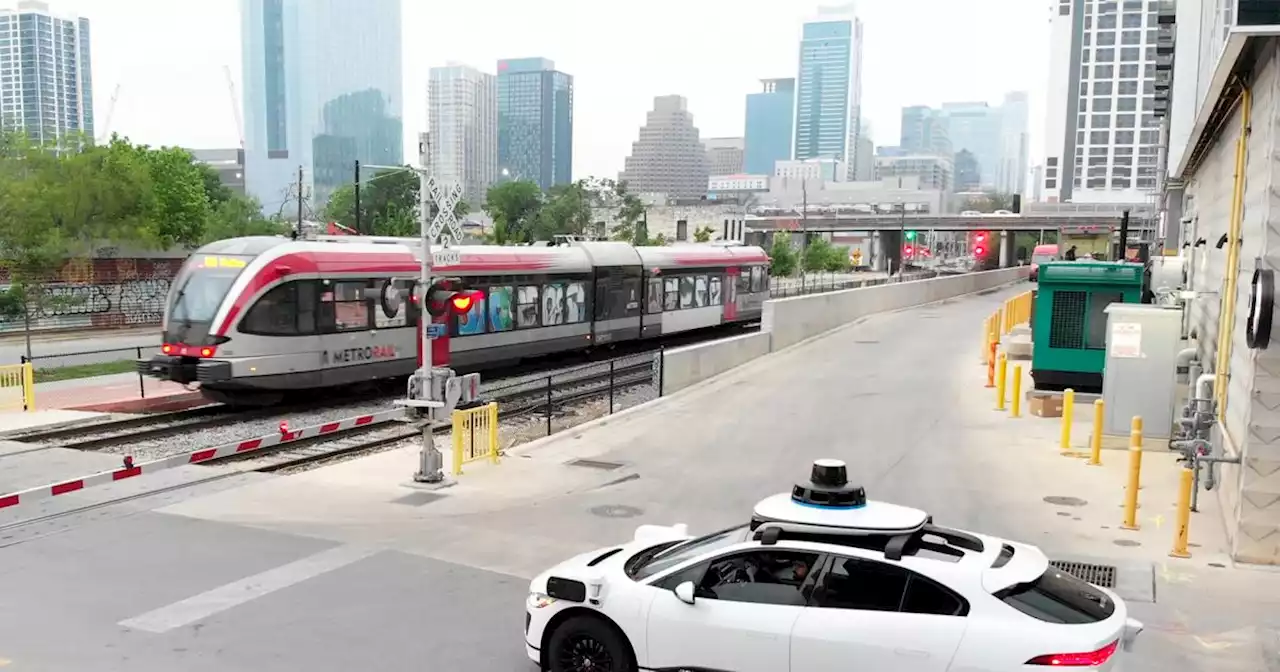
{"x": 1098, "y": 575}
{"x": 596, "y": 464}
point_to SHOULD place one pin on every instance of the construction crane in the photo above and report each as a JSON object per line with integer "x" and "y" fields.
{"x": 105, "y": 131}
{"x": 235, "y": 104}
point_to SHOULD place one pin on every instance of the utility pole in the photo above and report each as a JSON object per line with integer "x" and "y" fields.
{"x": 357, "y": 206}
{"x": 300, "y": 196}
{"x": 804, "y": 223}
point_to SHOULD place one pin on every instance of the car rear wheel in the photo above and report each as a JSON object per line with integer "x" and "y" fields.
{"x": 588, "y": 644}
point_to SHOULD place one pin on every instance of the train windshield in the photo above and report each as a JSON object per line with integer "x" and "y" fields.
{"x": 204, "y": 283}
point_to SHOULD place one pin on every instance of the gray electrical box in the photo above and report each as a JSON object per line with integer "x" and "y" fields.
{"x": 1141, "y": 374}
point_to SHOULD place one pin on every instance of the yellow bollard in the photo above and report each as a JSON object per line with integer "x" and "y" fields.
{"x": 1001, "y": 380}
{"x": 999, "y": 323}
{"x": 1185, "y": 486}
{"x": 991, "y": 366}
{"x": 1068, "y": 413}
{"x": 1015, "y": 411}
{"x": 986, "y": 339}
{"x": 1135, "y": 476}
{"x": 1095, "y": 441}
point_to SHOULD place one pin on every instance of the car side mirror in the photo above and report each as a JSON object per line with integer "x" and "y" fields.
{"x": 685, "y": 592}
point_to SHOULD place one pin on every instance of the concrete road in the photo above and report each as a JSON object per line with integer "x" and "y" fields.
{"x": 120, "y": 344}
{"x": 345, "y": 568}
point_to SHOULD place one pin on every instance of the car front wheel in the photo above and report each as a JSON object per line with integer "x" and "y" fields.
{"x": 588, "y": 644}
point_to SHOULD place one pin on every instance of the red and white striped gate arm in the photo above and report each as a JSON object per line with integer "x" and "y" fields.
{"x": 129, "y": 470}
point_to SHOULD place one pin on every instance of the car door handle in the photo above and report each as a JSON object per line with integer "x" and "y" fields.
{"x": 911, "y": 653}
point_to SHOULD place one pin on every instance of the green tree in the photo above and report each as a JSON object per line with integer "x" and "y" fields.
{"x": 567, "y": 211}
{"x": 214, "y": 190}
{"x": 990, "y": 202}
{"x": 58, "y": 202}
{"x": 179, "y": 200}
{"x": 385, "y": 197}
{"x": 782, "y": 256}
{"x": 515, "y": 207}
{"x": 631, "y": 215}
{"x": 703, "y": 234}
{"x": 238, "y": 216}
{"x": 818, "y": 255}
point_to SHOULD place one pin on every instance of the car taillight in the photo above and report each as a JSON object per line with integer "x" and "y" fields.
{"x": 167, "y": 349}
{"x": 1091, "y": 659}
{"x": 207, "y": 352}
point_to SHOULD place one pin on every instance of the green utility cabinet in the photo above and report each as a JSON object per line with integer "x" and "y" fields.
{"x": 1069, "y": 327}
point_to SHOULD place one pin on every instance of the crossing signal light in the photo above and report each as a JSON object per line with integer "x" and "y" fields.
{"x": 980, "y": 243}
{"x": 449, "y": 296}
{"x": 911, "y": 235}
{"x": 906, "y": 250}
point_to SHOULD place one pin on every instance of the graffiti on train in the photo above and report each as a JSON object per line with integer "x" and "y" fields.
{"x": 100, "y": 293}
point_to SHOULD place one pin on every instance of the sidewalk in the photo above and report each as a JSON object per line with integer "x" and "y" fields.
{"x": 898, "y": 396}
{"x": 116, "y": 393}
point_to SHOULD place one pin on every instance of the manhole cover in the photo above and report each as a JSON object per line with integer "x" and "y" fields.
{"x": 1098, "y": 575}
{"x": 596, "y": 464}
{"x": 616, "y": 511}
{"x": 1065, "y": 501}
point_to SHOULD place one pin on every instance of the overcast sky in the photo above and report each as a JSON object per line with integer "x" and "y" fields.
{"x": 168, "y": 58}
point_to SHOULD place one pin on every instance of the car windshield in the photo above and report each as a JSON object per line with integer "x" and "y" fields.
{"x": 1041, "y": 258}
{"x": 651, "y": 561}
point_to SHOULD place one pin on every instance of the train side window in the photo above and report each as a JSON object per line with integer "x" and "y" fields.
{"x": 654, "y": 296}
{"x": 501, "y": 309}
{"x": 757, "y": 279}
{"x": 744, "y": 281}
{"x": 575, "y": 303}
{"x": 700, "y": 291}
{"x": 713, "y": 297}
{"x": 527, "y": 308}
{"x": 553, "y": 312}
{"x": 306, "y": 306}
{"x": 686, "y": 291}
{"x": 351, "y": 306}
{"x": 671, "y": 300}
{"x": 274, "y": 314}
{"x": 472, "y": 323}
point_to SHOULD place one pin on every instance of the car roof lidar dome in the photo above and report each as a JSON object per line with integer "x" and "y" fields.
{"x": 829, "y": 503}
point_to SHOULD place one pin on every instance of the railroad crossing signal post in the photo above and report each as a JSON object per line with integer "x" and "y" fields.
{"x": 434, "y": 391}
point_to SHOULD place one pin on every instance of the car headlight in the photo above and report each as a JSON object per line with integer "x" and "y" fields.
{"x": 539, "y": 600}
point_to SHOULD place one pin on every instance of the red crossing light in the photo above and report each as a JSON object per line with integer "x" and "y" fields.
{"x": 462, "y": 302}
{"x": 979, "y": 251}
{"x": 906, "y": 250}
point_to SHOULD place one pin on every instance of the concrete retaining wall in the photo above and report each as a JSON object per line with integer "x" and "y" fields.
{"x": 791, "y": 320}
{"x": 685, "y": 366}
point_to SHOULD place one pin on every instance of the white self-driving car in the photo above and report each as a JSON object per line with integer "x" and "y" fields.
{"x": 821, "y": 580}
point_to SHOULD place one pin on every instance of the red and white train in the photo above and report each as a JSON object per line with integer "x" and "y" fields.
{"x": 249, "y": 319}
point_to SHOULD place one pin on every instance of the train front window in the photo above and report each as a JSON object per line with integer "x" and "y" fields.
{"x": 204, "y": 284}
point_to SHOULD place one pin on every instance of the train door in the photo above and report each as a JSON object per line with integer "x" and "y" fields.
{"x": 617, "y": 304}
{"x": 731, "y": 293}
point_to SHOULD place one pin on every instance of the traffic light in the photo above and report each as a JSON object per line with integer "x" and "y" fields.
{"x": 911, "y": 235}
{"x": 906, "y": 250}
{"x": 980, "y": 243}
{"x": 449, "y": 296}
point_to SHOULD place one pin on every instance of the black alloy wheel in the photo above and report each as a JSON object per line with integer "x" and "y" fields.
{"x": 586, "y": 644}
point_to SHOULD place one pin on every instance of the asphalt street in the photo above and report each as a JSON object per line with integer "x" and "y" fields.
{"x": 373, "y": 576}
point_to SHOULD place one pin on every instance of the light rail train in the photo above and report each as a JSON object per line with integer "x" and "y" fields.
{"x": 251, "y": 319}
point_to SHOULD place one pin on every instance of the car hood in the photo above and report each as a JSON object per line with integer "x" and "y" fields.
{"x": 595, "y": 567}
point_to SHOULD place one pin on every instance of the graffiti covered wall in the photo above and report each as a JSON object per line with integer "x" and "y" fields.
{"x": 100, "y": 293}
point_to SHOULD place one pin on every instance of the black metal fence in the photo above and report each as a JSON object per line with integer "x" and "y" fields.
{"x": 88, "y": 360}
{"x": 545, "y": 404}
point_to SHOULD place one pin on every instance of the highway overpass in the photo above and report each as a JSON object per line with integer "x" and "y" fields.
{"x": 1075, "y": 223}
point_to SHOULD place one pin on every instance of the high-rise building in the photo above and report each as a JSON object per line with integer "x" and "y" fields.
{"x": 322, "y": 90}
{"x": 1015, "y": 144}
{"x": 668, "y": 158}
{"x": 976, "y": 128}
{"x": 462, "y": 107}
{"x": 535, "y": 122}
{"x": 1102, "y": 135}
{"x": 829, "y": 87}
{"x": 47, "y": 83}
{"x": 924, "y": 131}
{"x": 724, "y": 155}
{"x": 229, "y": 163}
{"x": 770, "y": 117}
